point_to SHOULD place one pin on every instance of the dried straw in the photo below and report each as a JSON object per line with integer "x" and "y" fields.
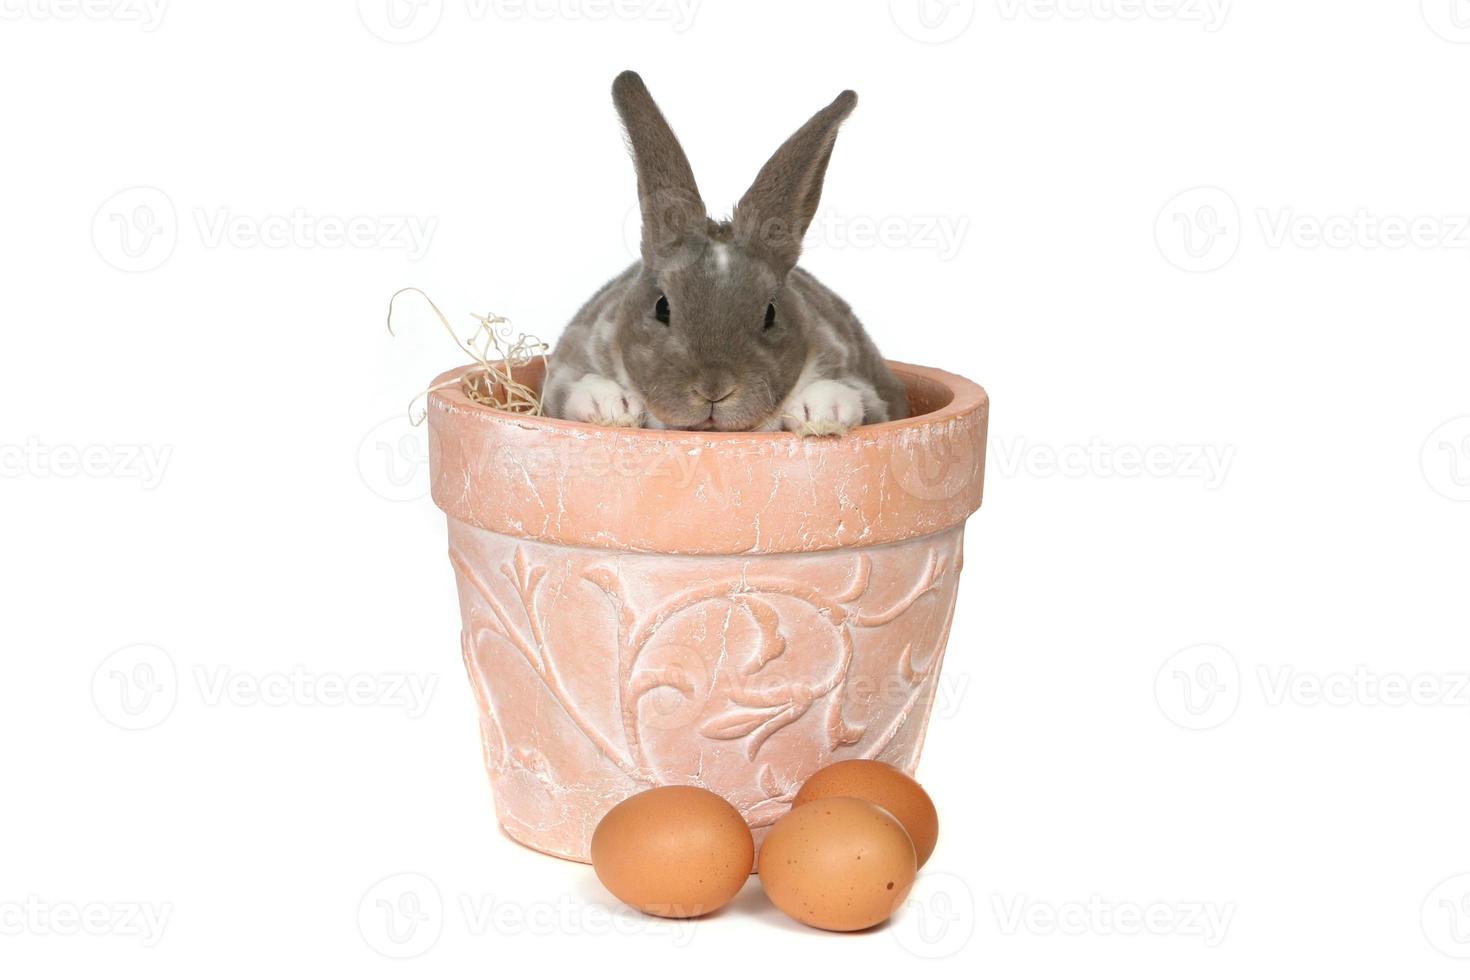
{"x": 497, "y": 350}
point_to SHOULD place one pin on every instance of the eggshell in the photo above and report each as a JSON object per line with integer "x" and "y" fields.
{"x": 674, "y": 851}
{"x": 838, "y": 863}
{"x": 890, "y": 788}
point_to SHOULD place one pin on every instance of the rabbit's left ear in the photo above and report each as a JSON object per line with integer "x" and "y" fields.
{"x": 773, "y": 216}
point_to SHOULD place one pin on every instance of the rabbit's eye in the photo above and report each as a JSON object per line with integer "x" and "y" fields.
{"x": 661, "y": 310}
{"x": 770, "y": 316}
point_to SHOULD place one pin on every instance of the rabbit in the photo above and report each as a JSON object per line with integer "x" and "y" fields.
{"x": 715, "y": 327}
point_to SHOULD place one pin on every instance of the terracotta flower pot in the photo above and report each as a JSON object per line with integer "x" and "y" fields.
{"x": 730, "y": 610}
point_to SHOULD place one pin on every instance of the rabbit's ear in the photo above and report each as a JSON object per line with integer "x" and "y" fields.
{"x": 775, "y": 213}
{"x": 667, "y": 194}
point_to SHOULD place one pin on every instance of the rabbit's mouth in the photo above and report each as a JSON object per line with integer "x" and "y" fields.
{"x": 718, "y": 418}
{"x": 709, "y": 424}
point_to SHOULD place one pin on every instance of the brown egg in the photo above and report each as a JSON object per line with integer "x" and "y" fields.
{"x": 674, "y": 851}
{"x": 839, "y": 863}
{"x": 880, "y": 783}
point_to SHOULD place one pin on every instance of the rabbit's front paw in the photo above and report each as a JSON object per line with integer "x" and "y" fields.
{"x": 823, "y": 408}
{"x": 602, "y": 401}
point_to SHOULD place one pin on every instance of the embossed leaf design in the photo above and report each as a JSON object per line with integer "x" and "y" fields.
{"x": 766, "y": 780}
{"x": 771, "y": 643}
{"x": 740, "y": 721}
{"x": 839, "y": 730}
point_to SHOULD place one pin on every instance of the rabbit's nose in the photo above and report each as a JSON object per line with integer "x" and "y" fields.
{"x": 714, "y": 388}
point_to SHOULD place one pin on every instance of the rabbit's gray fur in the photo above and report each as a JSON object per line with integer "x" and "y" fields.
{"x": 721, "y": 361}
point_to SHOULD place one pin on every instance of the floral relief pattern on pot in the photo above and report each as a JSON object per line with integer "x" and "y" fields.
{"x": 743, "y": 675}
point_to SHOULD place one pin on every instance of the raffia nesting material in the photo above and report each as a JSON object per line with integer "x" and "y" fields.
{"x": 497, "y": 351}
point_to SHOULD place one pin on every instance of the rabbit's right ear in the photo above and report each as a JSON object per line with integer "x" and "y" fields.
{"x": 667, "y": 194}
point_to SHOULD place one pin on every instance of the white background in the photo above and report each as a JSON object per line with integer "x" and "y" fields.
{"x": 1222, "y": 691}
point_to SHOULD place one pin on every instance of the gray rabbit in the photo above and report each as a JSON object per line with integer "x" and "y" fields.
{"x": 716, "y": 327}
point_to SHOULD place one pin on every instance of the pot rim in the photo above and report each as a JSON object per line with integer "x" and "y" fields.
{"x": 681, "y": 492}
{"x": 966, "y": 397}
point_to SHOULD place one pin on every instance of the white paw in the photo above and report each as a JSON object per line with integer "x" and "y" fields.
{"x": 602, "y": 401}
{"x": 823, "y": 408}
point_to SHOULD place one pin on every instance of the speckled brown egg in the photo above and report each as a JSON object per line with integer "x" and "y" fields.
{"x": 674, "y": 851}
{"x": 890, "y": 788}
{"x": 838, "y": 863}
